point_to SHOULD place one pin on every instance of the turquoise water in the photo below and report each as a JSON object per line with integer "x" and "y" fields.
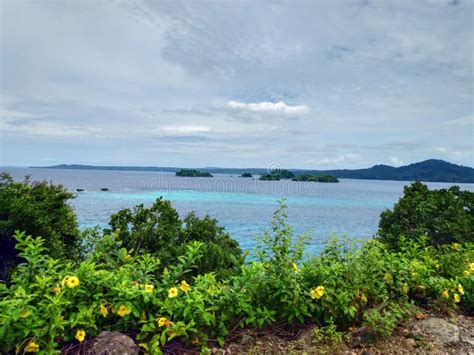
{"x": 243, "y": 206}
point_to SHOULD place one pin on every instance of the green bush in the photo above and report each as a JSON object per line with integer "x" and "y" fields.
{"x": 53, "y": 302}
{"x": 40, "y": 209}
{"x": 159, "y": 230}
{"x": 444, "y": 215}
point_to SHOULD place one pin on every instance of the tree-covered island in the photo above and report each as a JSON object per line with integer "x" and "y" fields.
{"x": 315, "y": 178}
{"x": 277, "y": 175}
{"x": 192, "y": 173}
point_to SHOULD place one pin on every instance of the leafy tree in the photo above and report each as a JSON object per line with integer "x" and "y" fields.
{"x": 38, "y": 208}
{"x": 159, "y": 230}
{"x": 192, "y": 173}
{"x": 444, "y": 216}
{"x": 276, "y": 175}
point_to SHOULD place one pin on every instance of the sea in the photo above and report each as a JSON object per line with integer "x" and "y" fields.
{"x": 243, "y": 206}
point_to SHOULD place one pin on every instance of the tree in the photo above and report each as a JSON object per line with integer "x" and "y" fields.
{"x": 444, "y": 216}
{"x": 159, "y": 230}
{"x": 40, "y": 209}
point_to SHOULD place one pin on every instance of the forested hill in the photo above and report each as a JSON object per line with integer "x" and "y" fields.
{"x": 428, "y": 170}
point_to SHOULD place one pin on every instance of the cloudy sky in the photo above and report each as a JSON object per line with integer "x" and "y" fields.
{"x": 305, "y": 84}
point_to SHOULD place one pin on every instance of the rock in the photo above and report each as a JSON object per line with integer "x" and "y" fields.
{"x": 79, "y": 190}
{"x": 113, "y": 343}
{"x": 410, "y": 343}
{"x": 415, "y": 333}
{"x": 363, "y": 335}
{"x": 439, "y": 328}
{"x": 104, "y": 189}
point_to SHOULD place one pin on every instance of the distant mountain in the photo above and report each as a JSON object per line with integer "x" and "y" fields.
{"x": 429, "y": 170}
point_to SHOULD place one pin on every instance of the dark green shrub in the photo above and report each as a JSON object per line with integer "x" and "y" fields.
{"x": 38, "y": 208}
{"x": 160, "y": 231}
{"x": 444, "y": 216}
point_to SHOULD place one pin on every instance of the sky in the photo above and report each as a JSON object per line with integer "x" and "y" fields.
{"x": 297, "y": 84}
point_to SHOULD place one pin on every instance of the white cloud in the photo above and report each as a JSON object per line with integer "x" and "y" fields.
{"x": 343, "y": 158}
{"x": 52, "y": 130}
{"x": 462, "y": 121}
{"x": 396, "y": 161}
{"x": 270, "y": 107}
{"x": 181, "y": 130}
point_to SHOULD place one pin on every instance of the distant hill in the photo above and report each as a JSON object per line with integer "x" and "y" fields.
{"x": 432, "y": 170}
{"x": 428, "y": 170}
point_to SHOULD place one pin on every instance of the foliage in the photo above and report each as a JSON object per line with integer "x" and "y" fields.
{"x": 315, "y": 178}
{"x": 383, "y": 319}
{"x": 276, "y": 175}
{"x": 246, "y": 175}
{"x": 52, "y": 301}
{"x": 328, "y": 335}
{"x": 192, "y": 173}
{"x": 444, "y": 215}
{"x": 160, "y": 231}
{"x": 41, "y": 209}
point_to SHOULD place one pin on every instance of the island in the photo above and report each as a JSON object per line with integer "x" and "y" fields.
{"x": 315, "y": 178}
{"x": 246, "y": 175}
{"x": 192, "y": 173}
{"x": 433, "y": 170}
{"x": 277, "y": 175}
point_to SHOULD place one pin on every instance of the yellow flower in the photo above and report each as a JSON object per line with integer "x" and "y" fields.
{"x": 24, "y": 313}
{"x": 295, "y": 267}
{"x": 103, "y": 310}
{"x": 466, "y": 273}
{"x": 414, "y": 274}
{"x": 456, "y": 246}
{"x": 173, "y": 292}
{"x": 388, "y": 277}
{"x": 56, "y": 290}
{"x": 461, "y": 289}
{"x": 80, "y": 335}
{"x": 32, "y": 347}
{"x": 72, "y": 281}
{"x": 405, "y": 288}
{"x": 457, "y": 298}
{"x": 471, "y": 266}
{"x": 123, "y": 311}
{"x": 148, "y": 288}
{"x": 445, "y": 294}
{"x": 317, "y": 292}
{"x": 185, "y": 287}
{"x": 162, "y": 321}
{"x": 363, "y": 298}
{"x": 143, "y": 316}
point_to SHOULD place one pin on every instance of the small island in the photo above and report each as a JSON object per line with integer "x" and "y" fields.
{"x": 192, "y": 173}
{"x": 246, "y": 175}
{"x": 315, "y": 178}
{"x": 277, "y": 175}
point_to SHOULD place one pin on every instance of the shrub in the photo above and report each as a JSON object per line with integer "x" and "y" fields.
{"x": 444, "y": 215}
{"x": 160, "y": 231}
{"x": 51, "y": 302}
{"x": 41, "y": 209}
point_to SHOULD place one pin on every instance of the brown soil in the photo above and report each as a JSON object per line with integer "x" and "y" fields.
{"x": 406, "y": 339}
